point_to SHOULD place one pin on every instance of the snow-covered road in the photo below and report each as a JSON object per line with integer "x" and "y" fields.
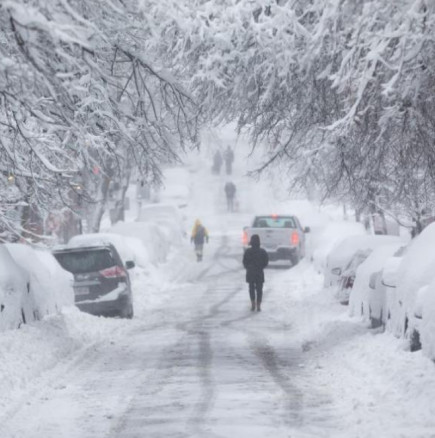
{"x": 195, "y": 362}
{"x": 200, "y": 364}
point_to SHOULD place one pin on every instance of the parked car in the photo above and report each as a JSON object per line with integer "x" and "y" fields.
{"x": 32, "y": 285}
{"x": 168, "y": 217}
{"x": 369, "y": 297}
{"x": 282, "y": 236}
{"x": 340, "y": 256}
{"x": 332, "y": 234}
{"x": 347, "y": 276}
{"x": 102, "y": 283}
{"x": 50, "y": 287}
{"x": 16, "y": 304}
{"x": 416, "y": 272}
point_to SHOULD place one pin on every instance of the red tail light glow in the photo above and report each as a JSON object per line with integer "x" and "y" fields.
{"x": 295, "y": 238}
{"x": 113, "y": 272}
{"x": 245, "y": 238}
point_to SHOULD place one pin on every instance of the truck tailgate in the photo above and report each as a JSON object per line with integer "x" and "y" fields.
{"x": 272, "y": 238}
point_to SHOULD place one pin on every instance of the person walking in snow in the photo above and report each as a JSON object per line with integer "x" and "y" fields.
{"x": 230, "y": 192}
{"x": 255, "y": 260}
{"x": 199, "y": 236}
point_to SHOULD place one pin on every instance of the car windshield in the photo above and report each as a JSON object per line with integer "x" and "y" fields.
{"x": 274, "y": 222}
{"x": 78, "y": 262}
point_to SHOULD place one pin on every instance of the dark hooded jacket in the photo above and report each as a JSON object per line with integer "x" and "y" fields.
{"x": 255, "y": 260}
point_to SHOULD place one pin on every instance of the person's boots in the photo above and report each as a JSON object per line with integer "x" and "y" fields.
{"x": 252, "y": 306}
{"x": 259, "y": 306}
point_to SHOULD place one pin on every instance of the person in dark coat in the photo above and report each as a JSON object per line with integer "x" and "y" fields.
{"x": 230, "y": 192}
{"x": 255, "y": 260}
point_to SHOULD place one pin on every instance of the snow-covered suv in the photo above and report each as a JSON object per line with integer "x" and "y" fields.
{"x": 101, "y": 281}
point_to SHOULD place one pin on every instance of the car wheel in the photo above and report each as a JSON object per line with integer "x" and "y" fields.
{"x": 127, "y": 312}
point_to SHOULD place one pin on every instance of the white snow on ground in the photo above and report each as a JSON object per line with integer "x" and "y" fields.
{"x": 195, "y": 362}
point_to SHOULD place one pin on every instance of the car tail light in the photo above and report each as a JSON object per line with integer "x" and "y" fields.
{"x": 295, "y": 238}
{"x": 113, "y": 272}
{"x": 245, "y": 238}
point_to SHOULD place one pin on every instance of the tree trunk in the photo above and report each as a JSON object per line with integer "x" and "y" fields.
{"x": 100, "y": 205}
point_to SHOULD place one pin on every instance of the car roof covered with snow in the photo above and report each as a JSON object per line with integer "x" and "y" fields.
{"x": 417, "y": 267}
{"x": 345, "y": 249}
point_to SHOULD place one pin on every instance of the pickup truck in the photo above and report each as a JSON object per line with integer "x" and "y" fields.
{"x": 282, "y": 236}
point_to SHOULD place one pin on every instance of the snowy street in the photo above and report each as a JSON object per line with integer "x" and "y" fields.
{"x": 196, "y": 362}
{"x": 217, "y": 219}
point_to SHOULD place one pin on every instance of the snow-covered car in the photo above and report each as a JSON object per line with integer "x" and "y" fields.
{"x": 149, "y": 241}
{"x": 168, "y": 217}
{"x": 16, "y": 304}
{"x": 369, "y": 297}
{"x": 347, "y": 276}
{"x": 50, "y": 285}
{"x": 340, "y": 256}
{"x": 32, "y": 285}
{"x": 332, "y": 234}
{"x": 102, "y": 283}
{"x": 416, "y": 272}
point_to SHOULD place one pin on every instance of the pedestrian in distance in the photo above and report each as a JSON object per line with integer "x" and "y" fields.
{"x": 217, "y": 162}
{"x": 229, "y": 158}
{"x": 199, "y": 236}
{"x": 255, "y": 260}
{"x": 230, "y": 193}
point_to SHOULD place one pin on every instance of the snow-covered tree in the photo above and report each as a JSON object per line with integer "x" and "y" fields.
{"x": 80, "y": 91}
{"x": 341, "y": 91}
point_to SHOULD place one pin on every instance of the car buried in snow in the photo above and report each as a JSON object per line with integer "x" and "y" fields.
{"x": 371, "y": 295}
{"x": 282, "y": 236}
{"x": 342, "y": 253}
{"x": 412, "y": 315}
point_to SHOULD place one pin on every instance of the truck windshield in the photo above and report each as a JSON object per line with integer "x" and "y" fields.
{"x": 274, "y": 222}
